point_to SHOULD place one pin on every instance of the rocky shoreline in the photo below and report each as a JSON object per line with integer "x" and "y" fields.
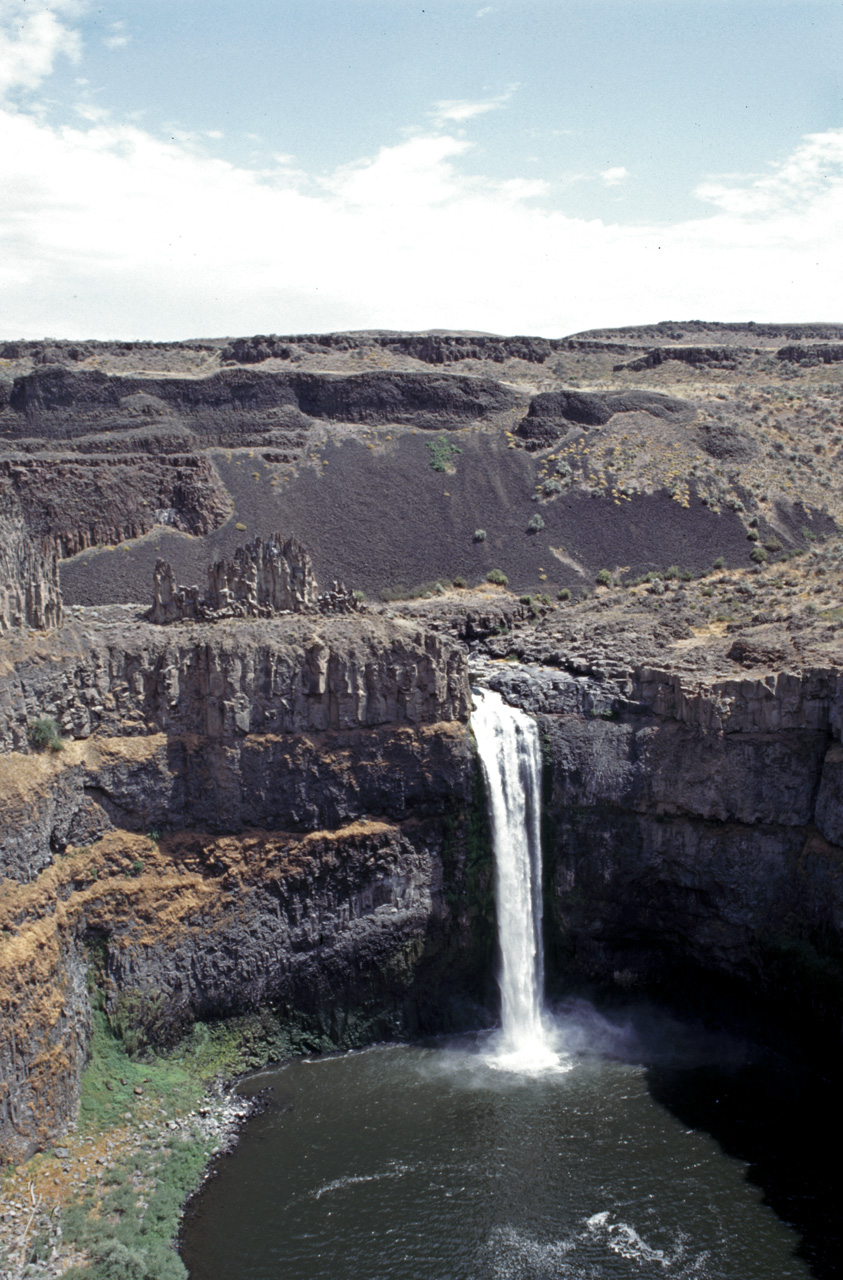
{"x": 35, "y": 1197}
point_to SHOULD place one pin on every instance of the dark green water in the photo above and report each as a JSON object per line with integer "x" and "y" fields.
{"x": 425, "y": 1162}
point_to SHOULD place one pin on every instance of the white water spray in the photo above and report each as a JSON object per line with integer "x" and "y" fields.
{"x": 508, "y": 747}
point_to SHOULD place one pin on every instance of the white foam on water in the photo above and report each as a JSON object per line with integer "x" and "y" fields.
{"x": 393, "y": 1170}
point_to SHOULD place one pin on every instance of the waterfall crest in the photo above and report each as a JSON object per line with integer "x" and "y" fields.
{"x": 508, "y": 747}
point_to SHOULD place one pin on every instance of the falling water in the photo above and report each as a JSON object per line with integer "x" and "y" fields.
{"x": 508, "y": 747}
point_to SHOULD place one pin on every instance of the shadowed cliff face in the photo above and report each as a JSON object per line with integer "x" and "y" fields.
{"x": 693, "y": 827}
{"x": 264, "y": 812}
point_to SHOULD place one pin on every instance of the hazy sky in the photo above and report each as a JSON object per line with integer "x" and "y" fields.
{"x": 175, "y": 168}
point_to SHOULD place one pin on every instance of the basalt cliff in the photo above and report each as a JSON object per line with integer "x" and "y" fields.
{"x": 258, "y": 796}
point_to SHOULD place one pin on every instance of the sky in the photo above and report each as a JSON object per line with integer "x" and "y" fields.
{"x": 196, "y": 168}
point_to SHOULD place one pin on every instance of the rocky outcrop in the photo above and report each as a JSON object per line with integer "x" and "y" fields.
{"x": 77, "y": 503}
{"x": 240, "y": 406}
{"x": 30, "y": 594}
{"x": 552, "y": 413}
{"x": 811, "y": 354}
{"x": 698, "y": 357}
{"x": 264, "y": 578}
{"x": 432, "y": 348}
{"x": 285, "y": 675}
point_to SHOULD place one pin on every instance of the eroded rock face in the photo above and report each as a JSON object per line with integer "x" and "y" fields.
{"x": 223, "y": 681}
{"x": 552, "y": 412}
{"x": 263, "y": 578}
{"x": 695, "y": 824}
{"x": 30, "y": 594}
{"x": 243, "y": 812}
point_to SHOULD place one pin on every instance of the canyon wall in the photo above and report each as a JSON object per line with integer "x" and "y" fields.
{"x": 242, "y": 815}
{"x": 693, "y": 826}
{"x": 285, "y": 814}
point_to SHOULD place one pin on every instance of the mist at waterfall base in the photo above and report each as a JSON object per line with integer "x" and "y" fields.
{"x": 532, "y": 1152}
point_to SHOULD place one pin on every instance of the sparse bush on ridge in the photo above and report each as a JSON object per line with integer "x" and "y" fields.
{"x": 498, "y": 577}
{"x": 535, "y": 523}
{"x": 44, "y": 733}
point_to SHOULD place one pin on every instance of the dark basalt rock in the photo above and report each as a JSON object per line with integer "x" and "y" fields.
{"x": 697, "y": 357}
{"x": 826, "y": 353}
{"x": 721, "y": 440}
{"x": 432, "y": 348}
{"x": 62, "y": 403}
{"x": 30, "y": 594}
{"x": 550, "y": 414}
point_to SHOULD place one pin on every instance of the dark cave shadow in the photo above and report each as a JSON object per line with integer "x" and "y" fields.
{"x": 784, "y": 1121}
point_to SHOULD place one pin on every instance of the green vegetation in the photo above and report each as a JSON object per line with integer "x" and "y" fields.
{"x": 442, "y": 453}
{"x": 44, "y": 734}
{"x": 563, "y": 594}
{"x": 479, "y": 535}
{"x": 719, "y": 562}
{"x": 535, "y": 523}
{"x": 604, "y": 578}
{"x": 758, "y": 554}
{"x": 498, "y": 577}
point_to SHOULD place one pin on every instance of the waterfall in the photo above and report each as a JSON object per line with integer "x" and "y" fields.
{"x": 508, "y": 747}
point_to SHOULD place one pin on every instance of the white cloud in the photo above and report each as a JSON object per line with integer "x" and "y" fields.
{"x": 108, "y": 230}
{"x": 458, "y": 110}
{"x": 482, "y": 13}
{"x": 32, "y": 36}
{"x": 614, "y": 177}
{"x": 118, "y": 38}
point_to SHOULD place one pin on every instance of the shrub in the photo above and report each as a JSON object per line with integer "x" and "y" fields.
{"x": 563, "y": 594}
{"x": 526, "y": 599}
{"x": 459, "y": 582}
{"x": 672, "y": 573}
{"x": 44, "y": 733}
{"x": 604, "y": 577}
{"x": 753, "y": 535}
{"x": 498, "y": 577}
{"x": 773, "y": 545}
{"x": 137, "y": 867}
{"x": 479, "y": 535}
{"x": 552, "y": 486}
{"x": 719, "y": 562}
{"x": 442, "y": 453}
{"x": 758, "y": 554}
{"x": 535, "y": 523}
{"x": 686, "y": 576}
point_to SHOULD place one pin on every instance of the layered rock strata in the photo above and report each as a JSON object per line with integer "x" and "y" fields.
{"x": 243, "y": 813}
